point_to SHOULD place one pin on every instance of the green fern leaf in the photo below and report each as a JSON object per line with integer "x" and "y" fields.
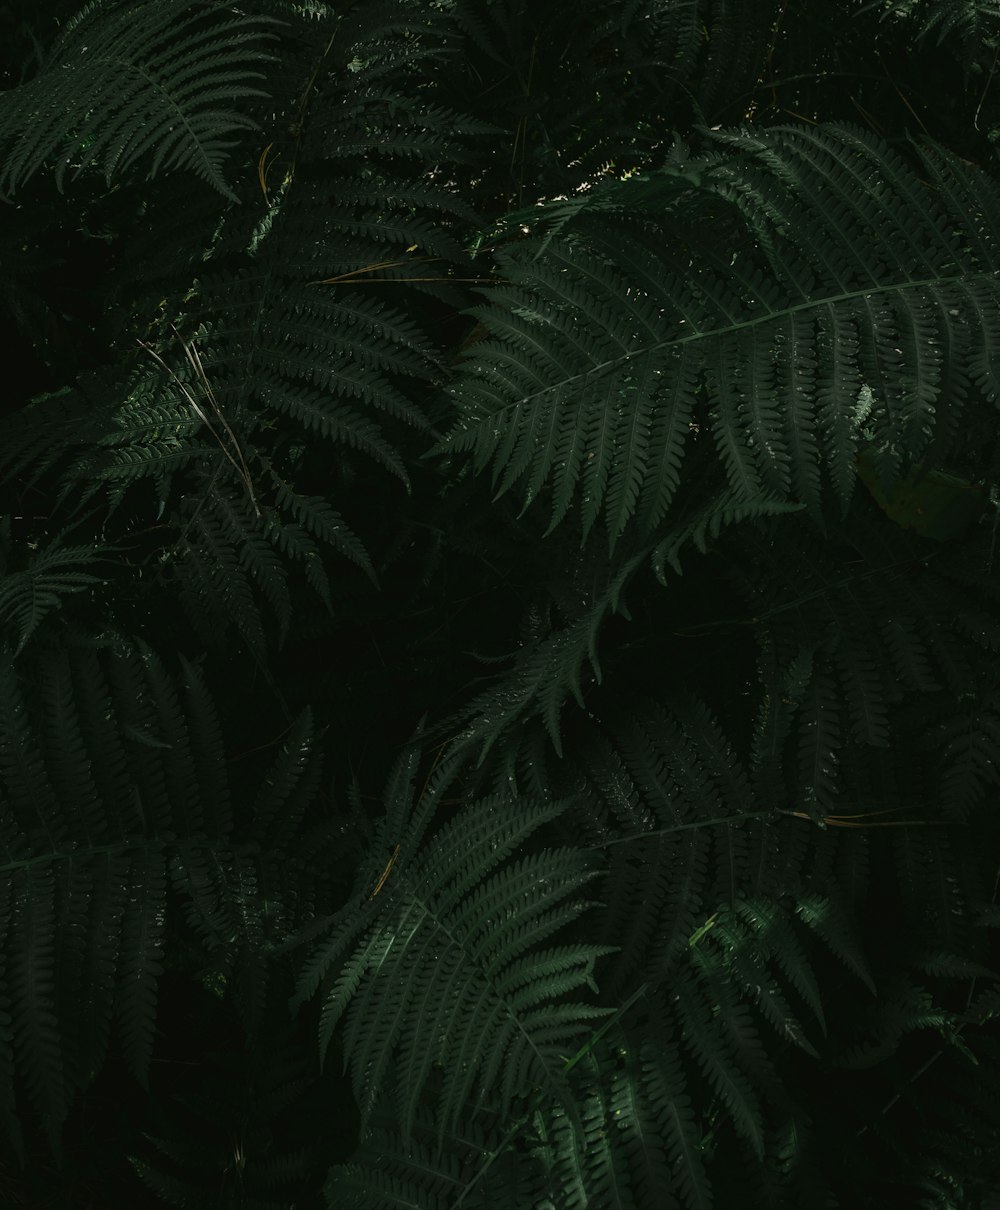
{"x": 828, "y": 919}
{"x": 437, "y": 964}
{"x": 663, "y": 1085}
{"x": 604, "y": 335}
{"x": 973, "y": 20}
{"x": 126, "y": 83}
{"x": 434, "y": 1169}
{"x": 971, "y": 755}
{"x": 141, "y": 964}
{"x": 31, "y": 944}
{"x": 704, "y": 1035}
{"x": 142, "y": 824}
{"x": 52, "y": 574}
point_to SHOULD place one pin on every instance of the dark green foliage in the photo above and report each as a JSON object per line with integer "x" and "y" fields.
{"x": 839, "y": 277}
{"x": 122, "y": 84}
{"x": 546, "y": 418}
{"x": 115, "y": 800}
{"x": 973, "y": 20}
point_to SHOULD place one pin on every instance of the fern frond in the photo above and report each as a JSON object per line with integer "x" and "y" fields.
{"x": 827, "y": 918}
{"x": 314, "y": 514}
{"x": 221, "y": 559}
{"x": 140, "y": 964}
{"x": 554, "y": 665}
{"x": 31, "y": 966}
{"x": 51, "y": 574}
{"x": 607, "y": 346}
{"x": 127, "y": 83}
{"x": 667, "y": 817}
{"x": 903, "y": 1008}
{"x": 738, "y": 42}
{"x": 709, "y": 521}
{"x": 972, "y": 20}
{"x": 716, "y": 1030}
{"x": 42, "y": 432}
{"x": 285, "y": 332}
{"x": 439, "y": 964}
{"x": 877, "y": 629}
{"x": 633, "y": 1141}
{"x": 543, "y": 677}
{"x": 145, "y": 436}
{"x": 433, "y": 1169}
{"x": 970, "y": 754}
{"x": 114, "y": 808}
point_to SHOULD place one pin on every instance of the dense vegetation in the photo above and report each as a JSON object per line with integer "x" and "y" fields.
{"x": 499, "y": 647}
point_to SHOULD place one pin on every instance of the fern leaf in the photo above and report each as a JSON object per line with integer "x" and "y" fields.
{"x": 207, "y": 781}
{"x": 651, "y": 774}
{"x": 703, "y": 1037}
{"x": 441, "y": 967}
{"x": 314, "y": 514}
{"x": 777, "y": 940}
{"x": 125, "y": 83}
{"x": 548, "y": 670}
{"x": 708, "y": 522}
{"x": 434, "y": 1169}
{"x": 35, "y": 1023}
{"x": 142, "y": 949}
{"x": 602, "y": 333}
{"x": 279, "y": 786}
{"x": 51, "y": 575}
{"x": 970, "y": 758}
{"x": 216, "y": 589}
{"x": 141, "y": 799}
{"x": 663, "y": 1084}
{"x": 819, "y": 742}
{"x": 972, "y": 20}
{"x": 828, "y": 919}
